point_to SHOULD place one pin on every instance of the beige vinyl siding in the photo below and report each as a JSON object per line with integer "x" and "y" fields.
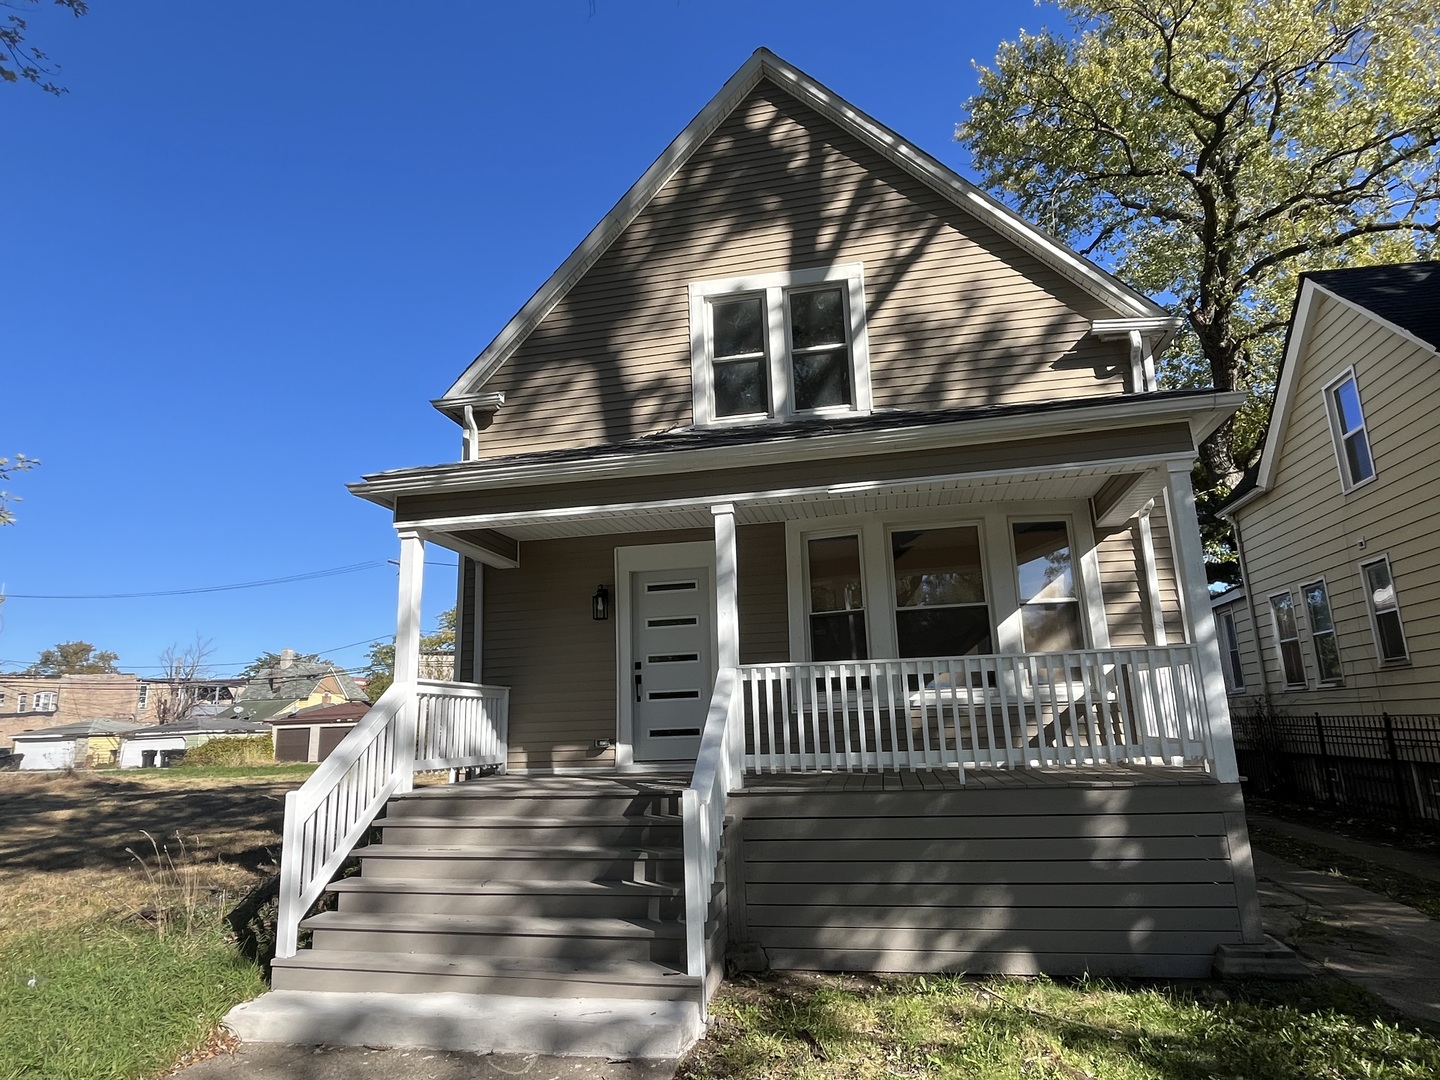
{"x": 956, "y": 314}
{"x": 1306, "y": 527}
{"x": 540, "y": 641}
{"x": 1165, "y": 574}
{"x": 1126, "y": 592}
{"x": 1018, "y": 880}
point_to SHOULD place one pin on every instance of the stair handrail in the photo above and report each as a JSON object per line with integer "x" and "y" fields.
{"x": 327, "y": 815}
{"x": 718, "y": 771}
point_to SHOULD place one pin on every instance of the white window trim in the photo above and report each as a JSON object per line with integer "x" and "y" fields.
{"x": 1337, "y": 436}
{"x": 143, "y": 700}
{"x": 45, "y": 701}
{"x": 1334, "y": 632}
{"x": 1304, "y": 683}
{"x": 997, "y": 551}
{"x": 780, "y": 387}
{"x": 1231, "y": 660}
{"x": 1370, "y": 608}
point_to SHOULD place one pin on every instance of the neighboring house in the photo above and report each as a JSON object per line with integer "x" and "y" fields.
{"x": 81, "y": 745}
{"x": 165, "y": 744}
{"x": 29, "y": 702}
{"x": 296, "y": 684}
{"x": 163, "y": 699}
{"x": 1336, "y": 526}
{"x": 820, "y": 508}
{"x": 311, "y": 734}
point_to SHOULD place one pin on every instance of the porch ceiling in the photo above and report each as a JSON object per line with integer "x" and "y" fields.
{"x": 1082, "y": 482}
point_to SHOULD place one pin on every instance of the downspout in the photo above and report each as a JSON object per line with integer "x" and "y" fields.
{"x": 1250, "y": 605}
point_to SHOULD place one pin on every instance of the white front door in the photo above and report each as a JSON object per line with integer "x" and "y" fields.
{"x": 672, "y": 668}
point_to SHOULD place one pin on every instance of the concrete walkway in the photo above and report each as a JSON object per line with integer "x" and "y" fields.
{"x": 1389, "y": 949}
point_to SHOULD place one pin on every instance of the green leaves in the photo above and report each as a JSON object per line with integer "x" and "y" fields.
{"x": 1212, "y": 150}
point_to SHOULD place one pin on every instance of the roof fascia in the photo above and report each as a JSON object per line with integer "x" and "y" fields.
{"x": 1298, "y": 337}
{"x": 1203, "y": 412}
{"x": 765, "y": 64}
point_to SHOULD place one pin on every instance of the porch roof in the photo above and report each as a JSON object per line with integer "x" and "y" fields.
{"x": 724, "y": 447}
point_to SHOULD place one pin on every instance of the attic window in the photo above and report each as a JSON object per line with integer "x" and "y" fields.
{"x": 779, "y": 346}
{"x": 1347, "y": 428}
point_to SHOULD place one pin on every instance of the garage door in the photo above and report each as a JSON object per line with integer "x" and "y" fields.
{"x": 292, "y": 744}
{"x": 330, "y": 738}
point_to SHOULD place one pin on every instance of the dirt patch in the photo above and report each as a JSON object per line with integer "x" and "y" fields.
{"x": 84, "y": 845}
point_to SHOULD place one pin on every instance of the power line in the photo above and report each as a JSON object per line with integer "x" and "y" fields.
{"x": 332, "y": 572}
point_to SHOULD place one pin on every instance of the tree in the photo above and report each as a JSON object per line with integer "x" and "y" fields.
{"x": 1211, "y": 150}
{"x": 74, "y": 658}
{"x": 8, "y": 468}
{"x": 263, "y": 663}
{"x": 21, "y": 60}
{"x": 182, "y": 668}
{"x": 380, "y": 661}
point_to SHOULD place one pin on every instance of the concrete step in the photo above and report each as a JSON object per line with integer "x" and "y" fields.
{"x": 607, "y": 1027}
{"x": 600, "y": 899}
{"x": 665, "y": 865}
{"x": 581, "y": 939}
{"x": 640, "y": 830}
{"x": 528, "y": 976}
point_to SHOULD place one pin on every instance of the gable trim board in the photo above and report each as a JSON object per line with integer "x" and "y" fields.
{"x": 1306, "y": 304}
{"x": 766, "y": 66}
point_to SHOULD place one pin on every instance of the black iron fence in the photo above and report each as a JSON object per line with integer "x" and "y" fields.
{"x": 1384, "y": 767}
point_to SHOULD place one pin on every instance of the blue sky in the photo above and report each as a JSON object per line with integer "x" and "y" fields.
{"x": 248, "y": 247}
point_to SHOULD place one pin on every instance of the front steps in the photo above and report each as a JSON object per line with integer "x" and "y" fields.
{"x": 542, "y": 893}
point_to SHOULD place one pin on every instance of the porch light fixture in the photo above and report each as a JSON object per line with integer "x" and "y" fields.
{"x": 600, "y": 604}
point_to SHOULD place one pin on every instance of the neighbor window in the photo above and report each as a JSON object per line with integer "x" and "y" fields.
{"x": 779, "y": 345}
{"x": 1049, "y": 604}
{"x": 21, "y": 702}
{"x": 1287, "y": 635}
{"x": 1347, "y": 427}
{"x": 144, "y": 697}
{"x": 1384, "y": 611}
{"x": 837, "y": 599}
{"x": 1322, "y": 631}
{"x": 45, "y": 701}
{"x": 1230, "y": 645}
{"x": 940, "y": 606}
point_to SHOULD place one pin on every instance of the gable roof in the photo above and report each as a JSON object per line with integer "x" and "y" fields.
{"x": 1403, "y": 297}
{"x": 80, "y": 729}
{"x": 765, "y": 65}
{"x": 1406, "y": 295}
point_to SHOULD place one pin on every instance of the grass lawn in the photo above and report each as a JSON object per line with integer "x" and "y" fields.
{"x": 114, "y": 956}
{"x": 892, "y": 1028}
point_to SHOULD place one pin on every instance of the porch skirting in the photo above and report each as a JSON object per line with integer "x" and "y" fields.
{"x": 1116, "y": 872}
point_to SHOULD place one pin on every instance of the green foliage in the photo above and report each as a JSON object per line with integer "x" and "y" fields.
{"x": 8, "y": 468}
{"x": 21, "y": 60}
{"x": 380, "y": 661}
{"x": 947, "y": 1026}
{"x": 112, "y": 1003}
{"x": 74, "y": 658}
{"x": 1212, "y": 150}
{"x": 231, "y": 752}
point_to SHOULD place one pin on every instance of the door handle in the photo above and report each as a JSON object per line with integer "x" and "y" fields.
{"x": 637, "y": 681}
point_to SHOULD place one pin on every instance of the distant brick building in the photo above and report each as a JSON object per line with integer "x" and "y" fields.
{"x": 28, "y": 702}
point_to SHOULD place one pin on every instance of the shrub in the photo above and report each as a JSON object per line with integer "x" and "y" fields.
{"x": 235, "y": 750}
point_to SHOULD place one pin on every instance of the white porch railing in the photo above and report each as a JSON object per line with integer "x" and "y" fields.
{"x": 1094, "y": 706}
{"x": 419, "y": 726}
{"x": 718, "y": 771}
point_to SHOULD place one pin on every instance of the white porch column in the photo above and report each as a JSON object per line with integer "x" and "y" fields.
{"x": 727, "y": 610}
{"x": 407, "y": 650}
{"x": 1200, "y": 627}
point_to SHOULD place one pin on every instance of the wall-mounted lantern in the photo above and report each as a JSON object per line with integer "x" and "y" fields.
{"x": 600, "y": 604}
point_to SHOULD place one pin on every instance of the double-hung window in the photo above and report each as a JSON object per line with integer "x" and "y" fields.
{"x": 1384, "y": 611}
{"x": 1322, "y": 631}
{"x": 1049, "y": 604}
{"x": 21, "y": 702}
{"x": 144, "y": 699}
{"x": 837, "y": 598}
{"x": 1287, "y": 638}
{"x": 46, "y": 701}
{"x": 1347, "y": 428}
{"x": 779, "y": 346}
{"x": 1230, "y": 643}
{"x": 940, "y": 605}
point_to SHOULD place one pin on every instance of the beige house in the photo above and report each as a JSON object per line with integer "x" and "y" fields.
{"x": 832, "y": 597}
{"x": 1341, "y": 610}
